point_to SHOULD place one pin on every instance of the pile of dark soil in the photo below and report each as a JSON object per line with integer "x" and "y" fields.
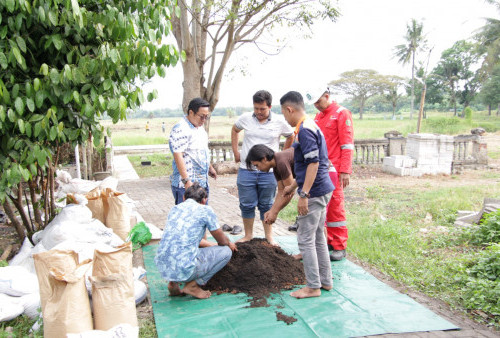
{"x": 258, "y": 269}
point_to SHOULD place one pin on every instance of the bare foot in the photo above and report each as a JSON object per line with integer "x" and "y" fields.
{"x": 244, "y": 239}
{"x": 193, "y": 289}
{"x": 326, "y": 287}
{"x": 174, "y": 289}
{"x": 297, "y": 257}
{"x": 306, "y": 293}
{"x": 272, "y": 242}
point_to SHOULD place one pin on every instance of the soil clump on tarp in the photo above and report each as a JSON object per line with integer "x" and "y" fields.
{"x": 259, "y": 269}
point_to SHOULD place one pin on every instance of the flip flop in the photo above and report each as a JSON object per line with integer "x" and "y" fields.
{"x": 226, "y": 227}
{"x": 236, "y": 230}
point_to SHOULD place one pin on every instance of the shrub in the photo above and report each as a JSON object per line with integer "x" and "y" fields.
{"x": 488, "y": 231}
{"x": 482, "y": 286}
{"x": 468, "y": 114}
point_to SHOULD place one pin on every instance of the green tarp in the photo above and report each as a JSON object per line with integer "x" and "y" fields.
{"x": 358, "y": 305}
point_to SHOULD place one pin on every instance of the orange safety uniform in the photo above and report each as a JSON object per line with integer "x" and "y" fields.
{"x": 336, "y": 124}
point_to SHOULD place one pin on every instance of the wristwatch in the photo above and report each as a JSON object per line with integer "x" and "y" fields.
{"x": 185, "y": 180}
{"x": 304, "y": 194}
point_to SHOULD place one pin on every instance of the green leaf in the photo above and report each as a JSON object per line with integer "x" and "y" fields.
{"x": 3, "y": 61}
{"x": 53, "y": 133}
{"x": 36, "y": 84}
{"x": 178, "y": 11}
{"x": 38, "y": 129}
{"x": 183, "y": 56}
{"x": 114, "y": 56}
{"x": 39, "y": 97}
{"x": 21, "y": 43}
{"x": 15, "y": 91}
{"x": 11, "y": 5}
{"x": 28, "y": 129}
{"x": 53, "y": 18}
{"x": 2, "y": 113}
{"x": 76, "y": 96}
{"x": 44, "y": 69}
{"x": 19, "y": 104}
{"x": 41, "y": 13}
{"x": 60, "y": 126}
{"x": 31, "y": 104}
{"x": 20, "y": 124}
{"x": 107, "y": 84}
{"x": 56, "y": 40}
{"x": 11, "y": 115}
{"x": 18, "y": 55}
{"x": 113, "y": 104}
{"x": 123, "y": 105}
{"x": 54, "y": 76}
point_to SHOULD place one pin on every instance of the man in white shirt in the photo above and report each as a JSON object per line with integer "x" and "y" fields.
{"x": 257, "y": 188}
{"x": 188, "y": 143}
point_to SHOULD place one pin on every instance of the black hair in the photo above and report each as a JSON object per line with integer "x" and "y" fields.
{"x": 196, "y": 192}
{"x": 294, "y": 98}
{"x": 263, "y": 96}
{"x": 257, "y": 153}
{"x": 196, "y": 103}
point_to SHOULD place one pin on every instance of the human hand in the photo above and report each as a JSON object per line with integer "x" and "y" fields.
{"x": 288, "y": 190}
{"x": 237, "y": 158}
{"x": 188, "y": 184}
{"x": 212, "y": 173}
{"x": 270, "y": 217}
{"x": 302, "y": 207}
{"x": 232, "y": 246}
{"x": 344, "y": 179}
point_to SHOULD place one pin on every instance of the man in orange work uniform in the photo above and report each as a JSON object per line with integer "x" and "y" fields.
{"x": 335, "y": 122}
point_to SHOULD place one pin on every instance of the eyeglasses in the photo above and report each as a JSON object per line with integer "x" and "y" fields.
{"x": 204, "y": 117}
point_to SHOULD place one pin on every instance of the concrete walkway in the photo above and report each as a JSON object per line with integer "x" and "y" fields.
{"x": 153, "y": 200}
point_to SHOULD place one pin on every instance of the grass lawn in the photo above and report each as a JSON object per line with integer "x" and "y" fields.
{"x": 132, "y": 132}
{"x": 161, "y": 165}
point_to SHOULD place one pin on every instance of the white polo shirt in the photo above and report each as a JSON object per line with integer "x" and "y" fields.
{"x": 268, "y": 132}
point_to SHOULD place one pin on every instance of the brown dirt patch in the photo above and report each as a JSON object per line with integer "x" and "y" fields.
{"x": 258, "y": 269}
{"x": 284, "y": 318}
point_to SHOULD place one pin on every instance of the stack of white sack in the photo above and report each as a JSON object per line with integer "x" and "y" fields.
{"x": 72, "y": 229}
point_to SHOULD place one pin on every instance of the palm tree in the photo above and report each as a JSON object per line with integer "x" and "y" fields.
{"x": 488, "y": 37}
{"x": 415, "y": 42}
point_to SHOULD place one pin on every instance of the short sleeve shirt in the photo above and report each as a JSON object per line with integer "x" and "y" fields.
{"x": 178, "y": 248}
{"x": 193, "y": 143}
{"x": 267, "y": 133}
{"x": 310, "y": 147}
{"x": 284, "y": 164}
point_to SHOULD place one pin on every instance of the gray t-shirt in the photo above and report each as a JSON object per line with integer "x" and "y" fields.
{"x": 267, "y": 133}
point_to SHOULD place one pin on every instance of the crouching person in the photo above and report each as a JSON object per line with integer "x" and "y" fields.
{"x": 182, "y": 255}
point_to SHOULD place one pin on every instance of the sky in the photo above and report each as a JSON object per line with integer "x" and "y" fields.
{"x": 363, "y": 37}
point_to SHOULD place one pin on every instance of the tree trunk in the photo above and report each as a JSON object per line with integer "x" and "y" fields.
{"x": 36, "y": 204}
{"x": 498, "y": 110}
{"x": 84, "y": 161}
{"x": 193, "y": 78}
{"x": 19, "y": 228}
{"x": 489, "y": 110}
{"x": 421, "y": 110}
{"x": 18, "y": 203}
{"x": 90, "y": 152}
{"x": 361, "y": 108}
{"x": 412, "y": 84}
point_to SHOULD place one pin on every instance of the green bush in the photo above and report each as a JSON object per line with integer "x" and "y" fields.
{"x": 488, "y": 231}
{"x": 468, "y": 114}
{"x": 482, "y": 286}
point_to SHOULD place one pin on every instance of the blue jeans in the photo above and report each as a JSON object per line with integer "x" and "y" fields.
{"x": 209, "y": 261}
{"x": 179, "y": 194}
{"x": 255, "y": 189}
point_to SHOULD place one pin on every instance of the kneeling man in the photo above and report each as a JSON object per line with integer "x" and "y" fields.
{"x": 182, "y": 256}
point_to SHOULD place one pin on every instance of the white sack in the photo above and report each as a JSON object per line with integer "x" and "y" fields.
{"x": 17, "y": 281}
{"x": 118, "y": 331}
{"x": 9, "y": 308}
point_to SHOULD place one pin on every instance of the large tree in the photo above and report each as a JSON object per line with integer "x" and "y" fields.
{"x": 490, "y": 91}
{"x": 407, "y": 52}
{"x": 392, "y": 86}
{"x": 488, "y": 37}
{"x": 64, "y": 63}
{"x": 359, "y": 84}
{"x": 210, "y": 31}
{"x": 456, "y": 71}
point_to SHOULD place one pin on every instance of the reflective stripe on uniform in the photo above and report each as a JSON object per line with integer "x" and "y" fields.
{"x": 347, "y": 146}
{"x": 312, "y": 154}
{"x": 340, "y": 109}
{"x": 336, "y": 224}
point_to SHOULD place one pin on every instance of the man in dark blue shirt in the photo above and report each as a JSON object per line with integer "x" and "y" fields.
{"x": 315, "y": 189}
